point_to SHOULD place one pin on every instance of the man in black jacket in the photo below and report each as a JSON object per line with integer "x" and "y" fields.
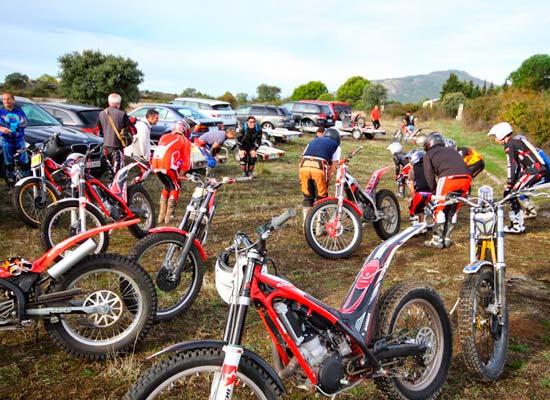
{"x": 249, "y": 140}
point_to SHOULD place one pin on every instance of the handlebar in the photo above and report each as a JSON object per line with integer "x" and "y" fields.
{"x": 278, "y": 222}
{"x": 352, "y": 154}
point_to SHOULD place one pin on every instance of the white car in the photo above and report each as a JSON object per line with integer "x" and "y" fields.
{"x": 214, "y": 108}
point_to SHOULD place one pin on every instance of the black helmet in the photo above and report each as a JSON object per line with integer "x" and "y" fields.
{"x": 434, "y": 139}
{"x": 332, "y": 133}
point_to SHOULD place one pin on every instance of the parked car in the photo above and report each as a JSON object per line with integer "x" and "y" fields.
{"x": 336, "y": 106}
{"x": 214, "y": 108}
{"x": 170, "y": 113}
{"x": 42, "y": 125}
{"x": 79, "y": 116}
{"x": 310, "y": 114}
{"x": 269, "y": 117}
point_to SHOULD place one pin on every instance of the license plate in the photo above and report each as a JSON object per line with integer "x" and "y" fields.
{"x": 93, "y": 164}
{"x": 36, "y": 160}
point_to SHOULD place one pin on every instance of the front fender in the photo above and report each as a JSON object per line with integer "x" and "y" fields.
{"x": 346, "y": 201}
{"x": 218, "y": 344}
{"x": 171, "y": 229}
{"x": 473, "y": 268}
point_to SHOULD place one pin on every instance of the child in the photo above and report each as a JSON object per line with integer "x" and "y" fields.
{"x": 418, "y": 186}
{"x": 400, "y": 160}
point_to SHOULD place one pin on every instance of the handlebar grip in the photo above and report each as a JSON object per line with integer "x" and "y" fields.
{"x": 243, "y": 179}
{"x": 277, "y": 222}
{"x": 438, "y": 198}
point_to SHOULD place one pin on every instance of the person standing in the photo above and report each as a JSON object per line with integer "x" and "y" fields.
{"x": 418, "y": 187}
{"x": 141, "y": 147}
{"x": 525, "y": 168}
{"x": 12, "y": 127}
{"x": 445, "y": 171}
{"x": 375, "y": 117}
{"x": 249, "y": 140}
{"x": 110, "y": 123}
{"x": 171, "y": 157}
{"x": 317, "y": 166}
{"x": 400, "y": 160}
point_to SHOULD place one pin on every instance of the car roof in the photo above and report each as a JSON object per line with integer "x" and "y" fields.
{"x": 201, "y": 100}
{"x": 20, "y": 99}
{"x": 343, "y": 103}
{"x": 68, "y": 106}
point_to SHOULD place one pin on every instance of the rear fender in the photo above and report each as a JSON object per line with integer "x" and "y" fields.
{"x": 473, "y": 268}
{"x": 375, "y": 179}
{"x": 216, "y": 344}
{"x": 163, "y": 229}
{"x": 346, "y": 201}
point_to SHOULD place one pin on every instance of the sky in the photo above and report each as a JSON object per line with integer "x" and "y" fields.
{"x": 219, "y": 46}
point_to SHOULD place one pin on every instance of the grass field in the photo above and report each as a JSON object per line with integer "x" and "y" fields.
{"x": 32, "y": 367}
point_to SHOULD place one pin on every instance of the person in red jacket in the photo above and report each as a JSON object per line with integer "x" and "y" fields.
{"x": 171, "y": 157}
{"x": 375, "y": 117}
{"x": 445, "y": 171}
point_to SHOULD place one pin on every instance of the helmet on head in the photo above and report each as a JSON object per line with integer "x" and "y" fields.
{"x": 415, "y": 156}
{"x": 450, "y": 143}
{"x": 332, "y": 133}
{"x": 395, "y": 147}
{"x": 73, "y": 158}
{"x": 501, "y": 130}
{"x": 182, "y": 127}
{"x": 434, "y": 139}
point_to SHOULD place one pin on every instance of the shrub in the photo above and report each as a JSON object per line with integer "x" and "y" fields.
{"x": 451, "y": 102}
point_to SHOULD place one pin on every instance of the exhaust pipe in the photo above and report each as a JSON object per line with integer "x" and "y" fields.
{"x": 400, "y": 350}
{"x": 71, "y": 259}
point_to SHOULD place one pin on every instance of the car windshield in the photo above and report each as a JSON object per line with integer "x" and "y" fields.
{"x": 325, "y": 109}
{"x": 190, "y": 112}
{"x": 37, "y": 116}
{"x": 284, "y": 111}
{"x": 89, "y": 117}
{"x": 221, "y": 107}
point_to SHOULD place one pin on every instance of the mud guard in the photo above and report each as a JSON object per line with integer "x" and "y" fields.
{"x": 375, "y": 179}
{"x": 218, "y": 344}
{"x": 473, "y": 268}
{"x": 346, "y": 201}
{"x": 172, "y": 229}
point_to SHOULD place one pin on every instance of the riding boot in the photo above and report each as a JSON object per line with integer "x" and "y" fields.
{"x": 162, "y": 210}
{"x": 437, "y": 238}
{"x": 516, "y": 223}
{"x": 447, "y": 235}
{"x": 529, "y": 210}
{"x": 170, "y": 211}
{"x": 305, "y": 212}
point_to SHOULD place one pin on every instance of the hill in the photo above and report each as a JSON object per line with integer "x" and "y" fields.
{"x": 412, "y": 89}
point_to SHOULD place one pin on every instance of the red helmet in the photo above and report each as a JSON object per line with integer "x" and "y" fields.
{"x": 182, "y": 127}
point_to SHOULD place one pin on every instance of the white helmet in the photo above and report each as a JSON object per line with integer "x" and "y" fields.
{"x": 73, "y": 158}
{"x": 395, "y": 147}
{"x": 501, "y": 130}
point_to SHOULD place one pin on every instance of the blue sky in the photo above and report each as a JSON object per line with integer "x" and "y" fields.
{"x": 215, "y": 46}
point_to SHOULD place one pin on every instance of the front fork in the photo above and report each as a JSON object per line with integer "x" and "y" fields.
{"x": 500, "y": 267}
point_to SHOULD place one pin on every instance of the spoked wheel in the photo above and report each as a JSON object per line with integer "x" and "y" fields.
{"x": 390, "y": 222}
{"x": 29, "y": 203}
{"x": 413, "y": 313}
{"x": 141, "y": 204}
{"x": 159, "y": 254}
{"x": 326, "y": 236}
{"x": 62, "y": 221}
{"x": 190, "y": 374}
{"x": 483, "y": 335}
{"x": 121, "y": 298}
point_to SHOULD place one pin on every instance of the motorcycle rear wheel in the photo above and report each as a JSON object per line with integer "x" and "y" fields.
{"x": 390, "y": 223}
{"x": 138, "y": 197}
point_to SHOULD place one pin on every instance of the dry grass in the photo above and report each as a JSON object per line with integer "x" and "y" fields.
{"x": 34, "y": 368}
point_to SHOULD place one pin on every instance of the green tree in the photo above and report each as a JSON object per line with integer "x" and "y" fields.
{"x": 453, "y": 85}
{"x": 534, "y": 73}
{"x": 374, "y": 94}
{"x": 352, "y": 89}
{"x": 309, "y": 91}
{"x": 242, "y": 98}
{"x": 45, "y": 85}
{"x": 268, "y": 93}
{"x": 90, "y": 77}
{"x": 228, "y": 96}
{"x": 192, "y": 92}
{"x": 451, "y": 101}
{"x": 16, "y": 81}
{"x": 326, "y": 97}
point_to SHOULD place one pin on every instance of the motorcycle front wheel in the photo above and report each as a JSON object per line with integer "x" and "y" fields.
{"x": 413, "y": 313}
{"x": 189, "y": 374}
{"x": 483, "y": 334}
{"x": 159, "y": 254}
{"x": 390, "y": 222}
{"x": 28, "y": 201}
{"x": 124, "y": 297}
{"x": 332, "y": 241}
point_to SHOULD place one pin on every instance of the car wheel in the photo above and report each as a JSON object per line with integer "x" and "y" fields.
{"x": 267, "y": 125}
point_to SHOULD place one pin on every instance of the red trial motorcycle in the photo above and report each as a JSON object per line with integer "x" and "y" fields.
{"x": 91, "y": 305}
{"x": 401, "y": 339}
{"x": 334, "y": 226}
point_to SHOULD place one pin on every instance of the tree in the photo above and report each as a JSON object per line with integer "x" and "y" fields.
{"x": 326, "y": 97}
{"x": 242, "y": 98}
{"x": 267, "y": 93}
{"x": 534, "y": 73}
{"x": 453, "y": 85}
{"x": 192, "y": 92}
{"x": 352, "y": 89}
{"x": 228, "y": 96}
{"x": 309, "y": 91}
{"x": 90, "y": 77}
{"x": 16, "y": 80}
{"x": 374, "y": 95}
{"x": 451, "y": 102}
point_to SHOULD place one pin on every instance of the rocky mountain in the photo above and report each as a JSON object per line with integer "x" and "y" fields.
{"x": 412, "y": 89}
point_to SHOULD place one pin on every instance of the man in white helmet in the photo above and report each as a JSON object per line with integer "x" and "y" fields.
{"x": 525, "y": 167}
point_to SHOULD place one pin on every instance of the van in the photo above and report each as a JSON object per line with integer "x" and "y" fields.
{"x": 214, "y": 108}
{"x": 310, "y": 114}
{"x": 336, "y": 106}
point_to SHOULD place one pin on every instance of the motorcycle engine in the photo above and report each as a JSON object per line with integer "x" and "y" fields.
{"x": 8, "y": 310}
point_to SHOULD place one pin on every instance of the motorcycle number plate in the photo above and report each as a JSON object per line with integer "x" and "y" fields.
{"x": 36, "y": 160}
{"x": 198, "y": 193}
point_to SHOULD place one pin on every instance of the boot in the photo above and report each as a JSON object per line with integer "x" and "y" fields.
{"x": 529, "y": 210}
{"x": 170, "y": 211}
{"x": 516, "y": 223}
{"x": 437, "y": 238}
{"x": 447, "y": 235}
{"x": 162, "y": 210}
{"x": 414, "y": 219}
{"x": 305, "y": 212}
